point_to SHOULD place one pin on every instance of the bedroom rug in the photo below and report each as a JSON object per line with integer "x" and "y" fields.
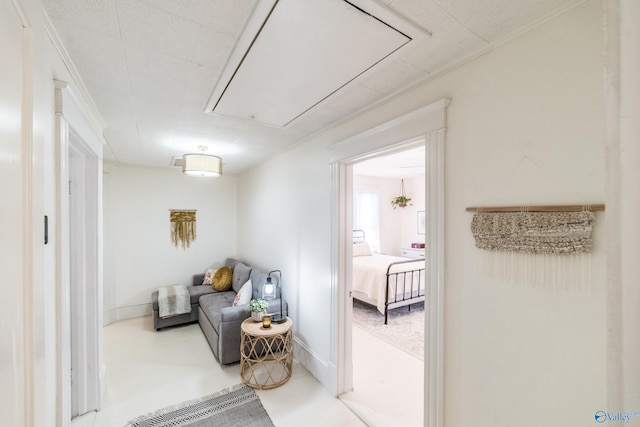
{"x": 405, "y": 329}
{"x": 235, "y": 406}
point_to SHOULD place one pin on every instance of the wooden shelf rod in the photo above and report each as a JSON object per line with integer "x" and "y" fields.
{"x": 559, "y": 208}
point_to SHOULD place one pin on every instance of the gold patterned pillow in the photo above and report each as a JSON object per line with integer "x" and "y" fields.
{"x": 222, "y": 279}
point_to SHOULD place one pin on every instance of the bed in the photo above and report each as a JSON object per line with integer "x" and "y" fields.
{"x": 385, "y": 281}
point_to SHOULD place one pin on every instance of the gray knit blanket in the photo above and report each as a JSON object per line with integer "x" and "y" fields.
{"x": 558, "y": 233}
{"x": 173, "y": 301}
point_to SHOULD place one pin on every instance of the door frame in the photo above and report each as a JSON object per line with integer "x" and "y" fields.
{"x": 428, "y": 123}
{"x": 75, "y": 133}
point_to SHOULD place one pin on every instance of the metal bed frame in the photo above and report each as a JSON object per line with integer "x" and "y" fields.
{"x": 413, "y": 287}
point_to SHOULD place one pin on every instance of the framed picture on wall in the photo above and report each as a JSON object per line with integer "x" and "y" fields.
{"x": 421, "y": 222}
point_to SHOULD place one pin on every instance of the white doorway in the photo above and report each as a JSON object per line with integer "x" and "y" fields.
{"x": 78, "y": 258}
{"x": 428, "y": 123}
{"x": 388, "y": 359}
{"x": 84, "y": 280}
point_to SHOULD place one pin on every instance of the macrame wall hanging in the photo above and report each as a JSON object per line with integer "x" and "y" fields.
{"x": 183, "y": 227}
{"x": 549, "y": 246}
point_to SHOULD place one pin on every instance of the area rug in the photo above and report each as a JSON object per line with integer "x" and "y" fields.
{"x": 235, "y": 406}
{"x": 405, "y": 329}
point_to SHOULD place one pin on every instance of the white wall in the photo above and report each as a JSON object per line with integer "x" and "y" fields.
{"x": 12, "y": 352}
{"x": 415, "y": 188}
{"x": 283, "y": 223}
{"x": 397, "y": 226}
{"x": 525, "y": 126}
{"x": 139, "y": 255}
{"x": 28, "y": 319}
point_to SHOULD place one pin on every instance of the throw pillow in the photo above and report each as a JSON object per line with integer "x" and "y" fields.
{"x": 244, "y": 294}
{"x": 221, "y": 281}
{"x": 208, "y": 276}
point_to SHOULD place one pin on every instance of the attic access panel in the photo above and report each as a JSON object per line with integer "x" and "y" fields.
{"x": 294, "y": 54}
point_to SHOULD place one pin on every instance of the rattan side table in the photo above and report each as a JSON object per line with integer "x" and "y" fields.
{"x": 266, "y": 355}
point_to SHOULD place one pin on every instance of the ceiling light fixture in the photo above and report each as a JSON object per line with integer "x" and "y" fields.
{"x": 200, "y": 164}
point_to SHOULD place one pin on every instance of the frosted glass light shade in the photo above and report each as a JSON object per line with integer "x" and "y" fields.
{"x": 268, "y": 290}
{"x": 201, "y": 165}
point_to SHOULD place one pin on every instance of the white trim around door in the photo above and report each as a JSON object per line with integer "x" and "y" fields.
{"x": 428, "y": 123}
{"x": 78, "y": 157}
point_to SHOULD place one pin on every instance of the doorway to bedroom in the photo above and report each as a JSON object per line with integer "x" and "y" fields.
{"x": 388, "y": 359}
{"x": 427, "y": 125}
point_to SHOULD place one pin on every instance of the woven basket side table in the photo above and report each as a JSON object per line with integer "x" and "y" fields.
{"x": 266, "y": 355}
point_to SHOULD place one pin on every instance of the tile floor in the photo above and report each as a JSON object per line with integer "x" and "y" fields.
{"x": 146, "y": 371}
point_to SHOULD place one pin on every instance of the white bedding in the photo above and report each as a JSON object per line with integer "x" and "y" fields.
{"x": 369, "y": 276}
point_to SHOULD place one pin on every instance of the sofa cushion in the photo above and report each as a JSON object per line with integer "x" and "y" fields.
{"x": 208, "y": 276}
{"x": 244, "y": 294}
{"x": 241, "y": 273}
{"x": 258, "y": 278}
{"x": 222, "y": 279}
{"x": 211, "y": 305}
{"x": 231, "y": 262}
{"x": 196, "y": 292}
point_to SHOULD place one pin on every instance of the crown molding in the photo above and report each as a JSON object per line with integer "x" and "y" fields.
{"x": 81, "y": 96}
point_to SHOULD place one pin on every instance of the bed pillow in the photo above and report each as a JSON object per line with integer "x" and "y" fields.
{"x": 244, "y": 294}
{"x": 221, "y": 281}
{"x": 361, "y": 249}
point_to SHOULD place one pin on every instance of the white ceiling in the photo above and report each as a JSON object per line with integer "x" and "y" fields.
{"x": 403, "y": 164}
{"x": 151, "y": 66}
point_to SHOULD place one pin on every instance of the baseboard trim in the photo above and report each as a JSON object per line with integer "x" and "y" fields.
{"x": 132, "y": 311}
{"x": 312, "y": 362}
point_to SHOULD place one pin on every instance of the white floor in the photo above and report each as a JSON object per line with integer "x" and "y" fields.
{"x": 148, "y": 370}
{"x": 388, "y": 383}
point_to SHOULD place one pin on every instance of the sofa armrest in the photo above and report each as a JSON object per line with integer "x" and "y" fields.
{"x": 234, "y": 313}
{"x": 241, "y": 312}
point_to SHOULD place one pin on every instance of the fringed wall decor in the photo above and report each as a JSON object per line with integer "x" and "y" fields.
{"x": 183, "y": 227}
{"x": 536, "y": 245}
{"x": 556, "y": 233}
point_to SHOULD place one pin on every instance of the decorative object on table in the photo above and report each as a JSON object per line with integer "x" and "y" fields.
{"x": 542, "y": 245}
{"x": 236, "y": 405}
{"x": 266, "y": 355}
{"x": 421, "y": 222}
{"x": 258, "y": 308}
{"x": 183, "y": 227}
{"x": 266, "y": 321}
{"x": 417, "y": 245}
{"x": 201, "y": 164}
{"x": 270, "y": 292}
{"x": 402, "y": 200}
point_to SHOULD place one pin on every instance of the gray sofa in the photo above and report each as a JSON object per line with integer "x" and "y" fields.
{"x": 219, "y": 320}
